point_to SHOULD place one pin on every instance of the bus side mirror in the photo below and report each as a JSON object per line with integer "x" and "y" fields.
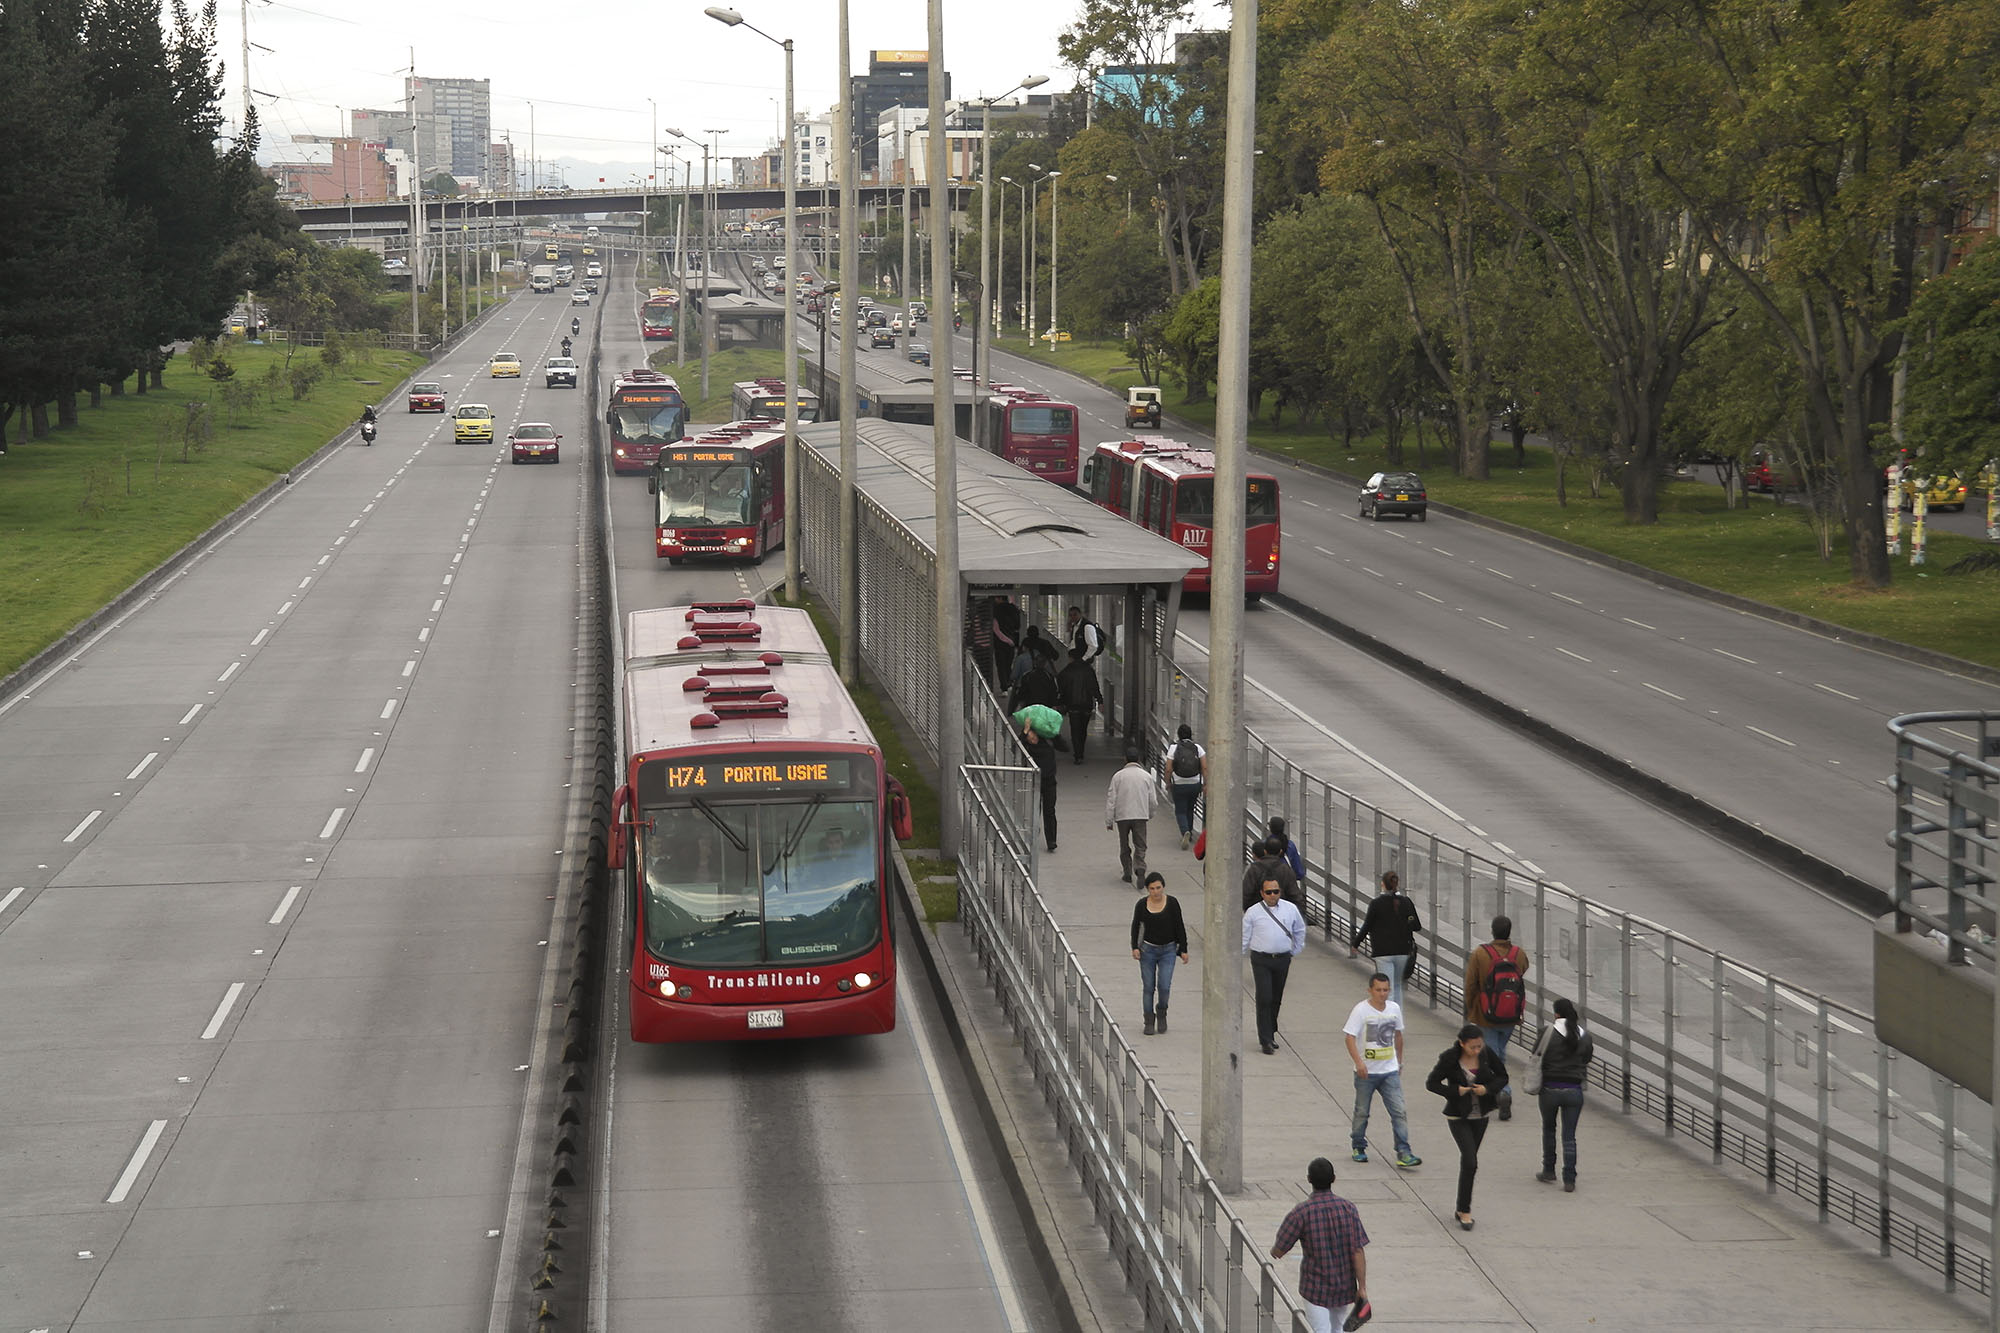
{"x": 614, "y": 855}
{"x": 902, "y": 824}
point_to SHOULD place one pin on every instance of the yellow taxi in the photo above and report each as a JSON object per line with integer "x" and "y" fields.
{"x": 472, "y": 422}
{"x": 1947, "y": 490}
{"x": 506, "y": 365}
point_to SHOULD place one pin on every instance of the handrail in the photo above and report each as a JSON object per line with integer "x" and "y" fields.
{"x": 1946, "y": 837}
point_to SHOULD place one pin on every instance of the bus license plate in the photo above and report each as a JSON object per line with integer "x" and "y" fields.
{"x": 767, "y": 1018}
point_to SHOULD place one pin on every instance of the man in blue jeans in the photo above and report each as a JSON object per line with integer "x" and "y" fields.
{"x": 1375, "y": 1043}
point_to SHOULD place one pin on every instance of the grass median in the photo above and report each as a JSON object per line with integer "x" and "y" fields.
{"x": 92, "y": 508}
{"x": 1765, "y": 551}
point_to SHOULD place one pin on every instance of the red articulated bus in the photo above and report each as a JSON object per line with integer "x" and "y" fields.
{"x": 1031, "y": 430}
{"x": 721, "y": 493}
{"x": 752, "y": 832}
{"x": 1169, "y": 487}
{"x": 659, "y": 315}
{"x": 645, "y": 413}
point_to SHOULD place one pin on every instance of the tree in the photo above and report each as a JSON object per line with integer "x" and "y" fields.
{"x": 1192, "y": 336}
{"x": 1119, "y": 279}
{"x": 1952, "y": 405}
{"x": 444, "y": 185}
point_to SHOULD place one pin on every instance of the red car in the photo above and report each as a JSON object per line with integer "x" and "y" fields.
{"x": 533, "y": 441}
{"x": 426, "y": 396}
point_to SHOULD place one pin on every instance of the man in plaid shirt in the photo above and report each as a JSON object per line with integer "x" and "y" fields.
{"x": 1333, "y": 1273}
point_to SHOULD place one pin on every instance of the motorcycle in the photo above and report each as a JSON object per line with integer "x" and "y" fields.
{"x": 957, "y": 323}
{"x": 368, "y": 432}
{"x": 565, "y": 347}
{"x": 576, "y": 326}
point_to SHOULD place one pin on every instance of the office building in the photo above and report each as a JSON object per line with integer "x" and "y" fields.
{"x": 462, "y": 110}
{"x": 894, "y": 78}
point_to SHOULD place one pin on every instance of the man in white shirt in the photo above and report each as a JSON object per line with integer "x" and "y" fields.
{"x": 1273, "y": 934}
{"x": 1128, "y": 804}
{"x": 1375, "y": 1044}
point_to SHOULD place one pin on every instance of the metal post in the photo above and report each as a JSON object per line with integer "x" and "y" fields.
{"x": 909, "y": 230}
{"x": 1023, "y": 284}
{"x": 982, "y": 355}
{"x": 1222, "y": 978}
{"x": 794, "y": 494}
{"x": 1055, "y": 251}
{"x": 707, "y": 263}
{"x": 850, "y": 268}
{"x": 646, "y": 188}
{"x": 1034, "y": 325}
{"x": 944, "y": 446}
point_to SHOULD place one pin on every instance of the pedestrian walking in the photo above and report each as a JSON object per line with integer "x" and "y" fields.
{"x": 1035, "y": 650}
{"x": 1077, "y": 683}
{"x": 1037, "y": 685}
{"x": 1273, "y": 934}
{"x": 1128, "y": 805}
{"x": 1159, "y": 937}
{"x": 1086, "y": 637}
{"x": 1271, "y": 864}
{"x": 1333, "y": 1266}
{"x": 1496, "y": 994}
{"x": 1566, "y": 1051}
{"x": 1287, "y": 848}
{"x": 1043, "y": 751}
{"x": 1185, "y": 772}
{"x": 1391, "y": 928}
{"x": 1374, "y": 1031}
{"x": 1006, "y": 635}
{"x": 1469, "y": 1076}
{"x": 979, "y": 638}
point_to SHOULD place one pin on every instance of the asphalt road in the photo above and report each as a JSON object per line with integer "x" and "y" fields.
{"x": 276, "y": 855}
{"x": 837, "y": 1185}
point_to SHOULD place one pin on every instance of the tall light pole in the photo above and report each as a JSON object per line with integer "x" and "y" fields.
{"x": 1222, "y": 978}
{"x": 850, "y": 454}
{"x": 701, "y": 324}
{"x": 1021, "y": 303}
{"x": 646, "y": 192}
{"x": 1055, "y": 251}
{"x": 1000, "y": 264}
{"x": 1034, "y": 331}
{"x": 950, "y": 610}
{"x": 982, "y": 355}
{"x": 793, "y": 591}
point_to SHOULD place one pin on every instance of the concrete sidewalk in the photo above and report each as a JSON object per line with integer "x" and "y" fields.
{"x": 1655, "y": 1235}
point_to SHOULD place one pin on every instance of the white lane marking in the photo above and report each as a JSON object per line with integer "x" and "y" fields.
{"x": 1657, "y": 690}
{"x": 355, "y": 524}
{"x": 12, "y": 894}
{"x": 1501, "y": 572}
{"x": 1565, "y": 596}
{"x": 233, "y": 668}
{"x": 87, "y": 821}
{"x": 388, "y": 708}
{"x": 222, "y": 1011}
{"x": 982, "y": 1219}
{"x": 458, "y": 557}
{"x": 285, "y": 904}
{"x": 188, "y": 716}
{"x": 437, "y": 606}
{"x": 1726, "y": 653}
{"x": 332, "y": 821}
{"x": 130, "y": 1176}
{"x": 1314, "y": 503}
{"x": 322, "y": 560}
{"x": 1323, "y": 551}
{"x": 1366, "y": 570}
{"x": 1951, "y": 731}
{"x": 1842, "y": 693}
{"x": 1426, "y": 596}
{"x": 1567, "y": 653}
{"x": 361, "y": 764}
{"x": 260, "y": 636}
{"x": 1531, "y": 867}
{"x": 448, "y": 578}
{"x": 409, "y": 667}
{"x": 150, "y": 757}
{"x": 1768, "y": 736}
{"x": 286, "y": 607}
{"x": 1494, "y": 623}
{"x": 340, "y": 540}
{"x": 367, "y": 508}
{"x": 1441, "y": 551}
{"x": 1503, "y": 847}
{"x": 424, "y": 634}
{"x": 306, "y": 582}
{"x": 1640, "y": 623}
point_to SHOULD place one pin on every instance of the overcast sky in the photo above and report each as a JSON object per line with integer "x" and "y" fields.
{"x": 590, "y": 68}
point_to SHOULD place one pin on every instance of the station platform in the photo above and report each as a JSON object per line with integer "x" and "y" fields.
{"x": 1655, "y": 1236}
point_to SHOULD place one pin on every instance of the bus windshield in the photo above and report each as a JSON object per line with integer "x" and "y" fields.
{"x": 648, "y": 423}
{"x": 1043, "y": 420}
{"x": 786, "y": 882}
{"x": 715, "y": 495}
{"x": 1194, "y": 500}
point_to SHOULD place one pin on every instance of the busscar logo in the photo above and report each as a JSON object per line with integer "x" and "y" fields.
{"x": 763, "y": 980}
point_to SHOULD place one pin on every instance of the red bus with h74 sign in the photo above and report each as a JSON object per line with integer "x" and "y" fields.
{"x": 752, "y": 830}
{"x": 659, "y": 316}
{"x": 1032, "y": 431}
{"x": 645, "y": 414}
{"x": 721, "y": 493}
{"x": 1169, "y": 487}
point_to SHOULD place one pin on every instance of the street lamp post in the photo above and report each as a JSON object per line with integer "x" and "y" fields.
{"x": 793, "y": 556}
{"x": 1028, "y": 273}
{"x": 646, "y": 193}
{"x": 1000, "y": 264}
{"x": 1055, "y": 251}
{"x": 702, "y": 322}
{"x": 850, "y": 454}
{"x": 949, "y": 605}
{"x": 982, "y": 354}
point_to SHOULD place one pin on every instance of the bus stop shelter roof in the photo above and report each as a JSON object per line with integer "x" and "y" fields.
{"x": 1014, "y": 530}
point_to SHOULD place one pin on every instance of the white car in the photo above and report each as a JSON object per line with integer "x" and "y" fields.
{"x": 578, "y": 296}
{"x": 896, "y": 324}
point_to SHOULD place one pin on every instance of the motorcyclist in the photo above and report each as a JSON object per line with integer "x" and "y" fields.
{"x": 368, "y": 413}
{"x": 565, "y": 347}
{"x": 957, "y": 322}
{"x": 575, "y": 325}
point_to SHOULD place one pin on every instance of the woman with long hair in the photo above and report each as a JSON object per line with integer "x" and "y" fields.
{"x": 1565, "y": 1054}
{"x": 1469, "y": 1076}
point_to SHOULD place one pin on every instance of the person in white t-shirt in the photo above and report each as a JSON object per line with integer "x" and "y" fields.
{"x": 1375, "y": 1044}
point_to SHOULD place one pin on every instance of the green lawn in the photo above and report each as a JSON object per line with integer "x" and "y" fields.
{"x": 1765, "y": 552}
{"x": 725, "y": 369}
{"x": 89, "y": 510}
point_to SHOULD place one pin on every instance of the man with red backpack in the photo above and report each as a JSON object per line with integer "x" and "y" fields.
{"x": 1496, "y": 994}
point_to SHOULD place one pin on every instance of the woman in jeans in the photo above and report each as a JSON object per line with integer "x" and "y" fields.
{"x": 1390, "y": 928}
{"x": 1565, "y": 1065}
{"x": 1469, "y": 1078}
{"x": 1159, "y": 939}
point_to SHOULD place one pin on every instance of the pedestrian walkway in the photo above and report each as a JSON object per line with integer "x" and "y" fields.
{"x": 1654, "y": 1236}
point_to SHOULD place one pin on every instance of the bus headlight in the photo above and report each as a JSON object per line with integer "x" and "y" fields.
{"x": 862, "y": 981}
{"x": 666, "y": 988}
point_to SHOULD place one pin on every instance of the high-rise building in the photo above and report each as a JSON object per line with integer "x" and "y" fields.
{"x": 894, "y": 78}
{"x": 462, "y": 110}
{"x": 393, "y": 129}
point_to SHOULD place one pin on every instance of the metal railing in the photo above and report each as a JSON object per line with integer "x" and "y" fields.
{"x": 1193, "y": 1263}
{"x": 1766, "y": 1074}
{"x": 1947, "y": 851}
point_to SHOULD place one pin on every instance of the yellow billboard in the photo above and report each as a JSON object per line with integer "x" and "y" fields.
{"x": 900, "y": 57}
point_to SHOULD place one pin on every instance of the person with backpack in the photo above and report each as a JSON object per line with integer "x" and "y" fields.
{"x": 1185, "y": 771}
{"x": 1080, "y": 697}
{"x": 1269, "y": 863}
{"x": 1496, "y": 994}
{"x": 1086, "y": 637}
{"x": 1391, "y": 926}
{"x": 1038, "y": 686}
{"x": 1276, "y": 829}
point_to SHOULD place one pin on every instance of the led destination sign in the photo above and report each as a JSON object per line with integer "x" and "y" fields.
{"x": 720, "y": 777}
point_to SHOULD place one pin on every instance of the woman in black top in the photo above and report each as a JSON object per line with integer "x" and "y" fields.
{"x": 1469, "y": 1078}
{"x": 1392, "y": 926}
{"x": 1159, "y": 939}
{"x": 1566, "y": 1054}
